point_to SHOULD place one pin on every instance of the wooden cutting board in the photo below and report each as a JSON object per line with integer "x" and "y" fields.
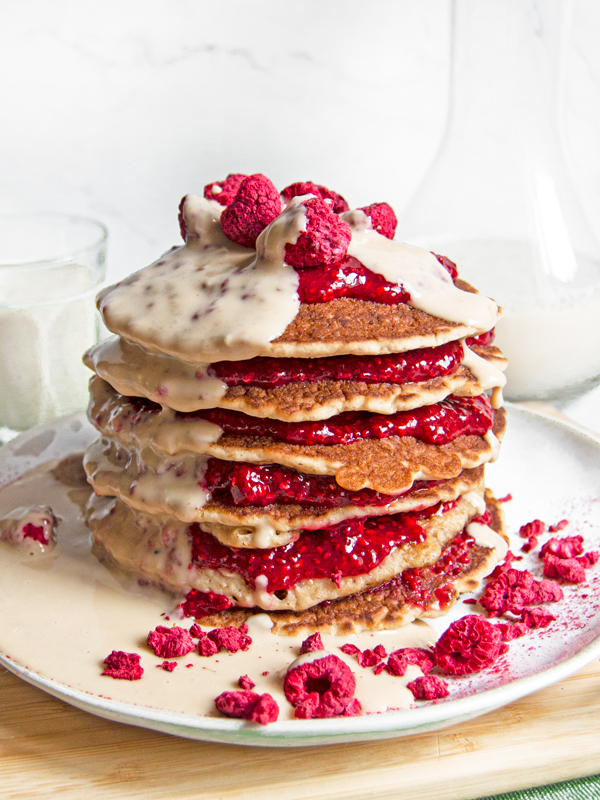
{"x": 49, "y": 749}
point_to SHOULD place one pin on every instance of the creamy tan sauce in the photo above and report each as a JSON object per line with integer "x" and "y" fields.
{"x": 67, "y": 613}
{"x": 487, "y": 374}
{"x": 210, "y": 299}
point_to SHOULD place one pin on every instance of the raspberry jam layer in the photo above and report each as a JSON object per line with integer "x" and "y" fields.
{"x": 354, "y": 547}
{"x": 240, "y": 484}
{"x": 412, "y": 367}
{"x": 351, "y": 279}
{"x": 437, "y": 424}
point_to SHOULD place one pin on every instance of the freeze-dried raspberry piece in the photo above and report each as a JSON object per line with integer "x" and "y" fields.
{"x": 559, "y": 526}
{"x": 206, "y": 646}
{"x": 414, "y": 655}
{"x": 350, "y": 649}
{"x": 535, "y": 528}
{"x": 353, "y": 708}
{"x": 224, "y": 191}
{"x": 447, "y": 264}
{"x": 196, "y": 631}
{"x": 548, "y": 592}
{"x": 334, "y": 200}
{"x": 506, "y": 499}
{"x": 248, "y": 705}
{"x": 243, "y": 627}
{"x": 168, "y": 666}
{"x": 428, "y": 687}
{"x": 255, "y": 206}
{"x": 379, "y": 668}
{"x": 368, "y": 658}
{"x": 505, "y": 565}
{"x": 230, "y": 639}
{"x": 123, "y": 666}
{"x": 469, "y": 645}
{"x": 324, "y": 241}
{"x": 396, "y": 664}
{"x": 246, "y": 683}
{"x": 568, "y": 568}
{"x": 204, "y": 604}
{"x": 510, "y": 591}
{"x": 382, "y": 217}
{"x": 380, "y": 651}
{"x": 321, "y": 688}
{"x": 536, "y": 618}
{"x": 170, "y": 642}
{"x": 530, "y": 544}
{"x": 567, "y": 547}
{"x": 510, "y": 632}
{"x": 313, "y": 642}
{"x": 588, "y": 559}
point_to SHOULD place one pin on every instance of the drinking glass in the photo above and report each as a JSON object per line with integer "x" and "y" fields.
{"x": 50, "y": 269}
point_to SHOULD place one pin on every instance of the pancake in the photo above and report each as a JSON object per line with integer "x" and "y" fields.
{"x": 135, "y": 372}
{"x": 159, "y": 550}
{"x": 388, "y": 605}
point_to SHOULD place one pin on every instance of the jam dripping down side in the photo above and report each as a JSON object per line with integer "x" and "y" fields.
{"x": 437, "y": 424}
{"x": 353, "y": 547}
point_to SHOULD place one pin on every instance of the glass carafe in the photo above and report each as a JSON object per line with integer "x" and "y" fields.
{"x": 498, "y": 198}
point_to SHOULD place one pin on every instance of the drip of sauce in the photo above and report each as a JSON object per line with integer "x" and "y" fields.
{"x": 210, "y": 299}
{"x": 486, "y": 537}
{"x": 486, "y": 373}
{"x": 476, "y": 499}
{"x": 494, "y": 443}
{"x": 429, "y": 284}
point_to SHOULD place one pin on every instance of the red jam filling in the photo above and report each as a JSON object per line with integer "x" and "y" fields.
{"x": 351, "y": 279}
{"x": 411, "y": 367}
{"x": 241, "y": 484}
{"x": 437, "y": 424}
{"x": 353, "y": 547}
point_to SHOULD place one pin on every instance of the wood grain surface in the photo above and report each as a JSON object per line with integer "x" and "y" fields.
{"x": 49, "y": 749}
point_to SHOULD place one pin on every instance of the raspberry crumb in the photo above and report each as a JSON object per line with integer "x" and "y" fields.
{"x": 379, "y": 668}
{"x": 506, "y": 499}
{"x": 530, "y": 544}
{"x": 230, "y": 639}
{"x": 567, "y": 568}
{"x": 224, "y": 191}
{"x": 428, "y": 687}
{"x": 188, "y": 666}
{"x": 382, "y": 217}
{"x": 321, "y": 688}
{"x": 248, "y": 705}
{"x": 245, "y": 682}
{"x": 559, "y": 526}
{"x": 123, "y": 666}
{"x": 535, "y": 528}
{"x": 324, "y": 241}
{"x": 256, "y": 205}
{"x": 313, "y": 642}
{"x": 333, "y": 199}
{"x": 469, "y": 645}
{"x": 206, "y": 647}
{"x": 266, "y": 672}
{"x": 350, "y": 649}
{"x": 196, "y": 631}
{"x": 168, "y": 666}
{"x": 368, "y": 658}
{"x": 170, "y": 642}
{"x": 510, "y": 632}
{"x": 400, "y": 659}
{"x": 536, "y": 618}
{"x": 588, "y": 559}
{"x": 567, "y": 547}
{"x": 470, "y": 601}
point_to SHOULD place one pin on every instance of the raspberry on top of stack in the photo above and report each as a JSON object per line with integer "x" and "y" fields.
{"x": 295, "y": 414}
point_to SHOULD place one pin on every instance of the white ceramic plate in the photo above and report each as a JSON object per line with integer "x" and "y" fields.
{"x": 552, "y": 471}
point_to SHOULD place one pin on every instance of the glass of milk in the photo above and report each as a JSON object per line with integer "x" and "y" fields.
{"x": 50, "y": 269}
{"x": 500, "y": 201}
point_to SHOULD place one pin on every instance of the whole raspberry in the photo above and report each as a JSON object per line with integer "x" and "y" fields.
{"x": 224, "y": 191}
{"x": 170, "y": 642}
{"x": 325, "y": 240}
{"x": 123, "y": 666}
{"x": 382, "y": 217}
{"x": 469, "y": 645}
{"x": 336, "y": 201}
{"x": 321, "y": 688}
{"x": 510, "y": 591}
{"x": 428, "y": 688}
{"x": 248, "y": 705}
{"x": 312, "y": 643}
{"x": 255, "y": 206}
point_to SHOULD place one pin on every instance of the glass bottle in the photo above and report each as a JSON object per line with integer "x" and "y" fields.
{"x": 499, "y": 201}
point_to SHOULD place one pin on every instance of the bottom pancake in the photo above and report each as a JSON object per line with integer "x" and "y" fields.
{"x": 428, "y": 591}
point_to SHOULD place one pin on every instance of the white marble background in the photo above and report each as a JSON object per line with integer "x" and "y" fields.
{"x": 116, "y": 109}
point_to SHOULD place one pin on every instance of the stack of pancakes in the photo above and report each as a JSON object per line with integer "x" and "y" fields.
{"x": 292, "y": 476}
